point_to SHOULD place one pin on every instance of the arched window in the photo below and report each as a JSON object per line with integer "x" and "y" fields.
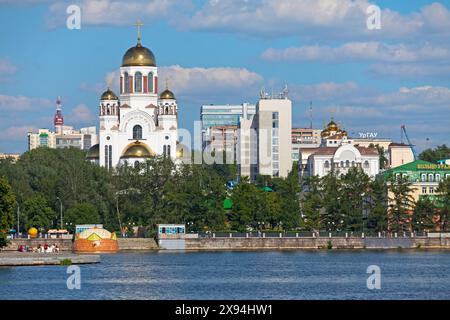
{"x": 136, "y": 164}
{"x": 168, "y": 151}
{"x": 327, "y": 164}
{"x": 150, "y": 82}
{"x": 430, "y": 177}
{"x": 126, "y": 82}
{"x": 366, "y": 164}
{"x": 164, "y": 151}
{"x": 138, "y": 82}
{"x": 438, "y": 177}
{"x": 137, "y": 132}
{"x": 347, "y": 163}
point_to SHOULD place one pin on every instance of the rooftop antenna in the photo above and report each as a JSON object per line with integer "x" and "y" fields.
{"x": 310, "y": 115}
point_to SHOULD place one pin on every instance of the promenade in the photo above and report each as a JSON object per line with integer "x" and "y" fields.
{"x": 8, "y": 259}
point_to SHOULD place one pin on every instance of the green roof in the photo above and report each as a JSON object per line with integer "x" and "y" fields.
{"x": 418, "y": 165}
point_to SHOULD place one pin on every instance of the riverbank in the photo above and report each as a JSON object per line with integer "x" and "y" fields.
{"x": 255, "y": 243}
{"x": 9, "y": 259}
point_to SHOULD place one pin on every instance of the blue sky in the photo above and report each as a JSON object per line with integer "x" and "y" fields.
{"x": 223, "y": 51}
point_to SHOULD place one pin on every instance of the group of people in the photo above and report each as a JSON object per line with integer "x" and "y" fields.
{"x": 40, "y": 249}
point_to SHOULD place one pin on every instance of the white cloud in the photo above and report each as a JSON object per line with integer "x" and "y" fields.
{"x": 7, "y": 67}
{"x": 412, "y": 70}
{"x": 115, "y": 12}
{"x": 208, "y": 81}
{"x": 81, "y": 114}
{"x": 315, "y": 19}
{"x": 360, "y": 51}
{"x": 16, "y": 133}
{"x": 22, "y": 103}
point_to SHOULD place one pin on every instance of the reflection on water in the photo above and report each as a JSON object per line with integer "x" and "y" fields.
{"x": 239, "y": 275}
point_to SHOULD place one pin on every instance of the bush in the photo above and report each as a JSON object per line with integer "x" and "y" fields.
{"x": 3, "y": 240}
{"x": 329, "y": 245}
{"x": 66, "y": 262}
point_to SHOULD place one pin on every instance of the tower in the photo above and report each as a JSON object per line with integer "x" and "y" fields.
{"x": 58, "y": 119}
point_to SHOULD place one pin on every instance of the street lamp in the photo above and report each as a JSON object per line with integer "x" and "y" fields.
{"x": 60, "y": 209}
{"x": 18, "y": 219}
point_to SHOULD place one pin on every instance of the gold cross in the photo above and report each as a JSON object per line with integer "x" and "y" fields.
{"x": 139, "y": 24}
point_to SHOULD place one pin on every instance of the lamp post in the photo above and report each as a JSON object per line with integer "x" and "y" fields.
{"x": 60, "y": 209}
{"x": 18, "y": 219}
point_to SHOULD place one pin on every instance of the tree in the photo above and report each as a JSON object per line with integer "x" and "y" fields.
{"x": 311, "y": 204}
{"x": 433, "y": 155}
{"x": 377, "y": 219}
{"x": 7, "y": 205}
{"x": 444, "y": 199}
{"x": 401, "y": 204}
{"x": 355, "y": 198}
{"x": 38, "y": 214}
{"x": 333, "y": 217}
{"x": 423, "y": 215}
{"x": 81, "y": 213}
{"x": 246, "y": 198}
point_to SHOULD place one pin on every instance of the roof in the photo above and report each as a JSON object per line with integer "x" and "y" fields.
{"x": 395, "y": 144}
{"x": 419, "y": 165}
{"x": 324, "y": 151}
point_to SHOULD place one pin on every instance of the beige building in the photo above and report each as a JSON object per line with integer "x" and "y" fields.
{"x": 83, "y": 138}
{"x": 13, "y": 156}
{"x": 274, "y": 125}
{"x": 400, "y": 154}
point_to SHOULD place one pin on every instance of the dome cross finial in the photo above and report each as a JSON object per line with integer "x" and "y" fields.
{"x": 139, "y": 24}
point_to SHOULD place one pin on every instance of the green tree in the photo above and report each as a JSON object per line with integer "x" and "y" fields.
{"x": 377, "y": 219}
{"x": 81, "y": 213}
{"x": 423, "y": 215}
{"x": 38, "y": 214}
{"x": 433, "y": 155}
{"x": 401, "y": 204}
{"x": 7, "y": 205}
{"x": 333, "y": 199}
{"x": 355, "y": 198}
{"x": 311, "y": 204}
{"x": 246, "y": 199}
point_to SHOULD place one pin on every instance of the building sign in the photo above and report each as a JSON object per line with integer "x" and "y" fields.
{"x": 432, "y": 166}
{"x": 368, "y": 135}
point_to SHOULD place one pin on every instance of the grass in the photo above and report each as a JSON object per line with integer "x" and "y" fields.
{"x": 66, "y": 262}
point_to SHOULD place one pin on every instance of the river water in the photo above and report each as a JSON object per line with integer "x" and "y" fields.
{"x": 405, "y": 274}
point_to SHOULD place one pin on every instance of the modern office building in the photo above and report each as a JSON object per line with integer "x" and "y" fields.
{"x": 274, "y": 130}
{"x": 222, "y": 116}
{"x": 304, "y": 138}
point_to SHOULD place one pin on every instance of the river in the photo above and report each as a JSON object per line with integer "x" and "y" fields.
{"x": 405, "y": 274}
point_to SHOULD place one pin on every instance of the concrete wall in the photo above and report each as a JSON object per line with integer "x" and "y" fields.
{"x": 271, "y": 243}
{"x": 315, "y": 243}
{"x": 137, "y": 244}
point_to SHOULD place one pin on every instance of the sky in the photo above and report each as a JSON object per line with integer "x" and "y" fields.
{"x": 225, "y": 52}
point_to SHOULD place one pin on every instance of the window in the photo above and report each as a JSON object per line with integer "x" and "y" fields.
{"x": 137, "y": 132}
{"x": 327, "y": 164}
{"x": 424, "y": 177}
{"x": 447, "y": 176}
{"x": 164, "y": 150}
{"x": 438, "y": 177}
{"x": 430, "y": 177}
{"x": 136, "y": 164}
{"x": 275, "y": 121}
{"x": 366, "y": 164}
{"x": 431, "y": 190}
{"x": 424, "y": 190}
{"x": 138, "y": 82}
{"x": 150, "y": 82}
{"x": 106, "y": 156}
{"x": 110, "y": 156}
{"x": 168, "y": 151}
{"x": 126, "y": 82}
{"x": 347, "y": 163}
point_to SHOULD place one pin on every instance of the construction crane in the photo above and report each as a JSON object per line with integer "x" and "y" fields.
{"x": 403, "y": 132}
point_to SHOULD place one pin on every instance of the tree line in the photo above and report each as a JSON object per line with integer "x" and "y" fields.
{"x": 160, "y": 191}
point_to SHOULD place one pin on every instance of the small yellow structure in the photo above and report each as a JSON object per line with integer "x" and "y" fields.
{"x": 95, "y": 240}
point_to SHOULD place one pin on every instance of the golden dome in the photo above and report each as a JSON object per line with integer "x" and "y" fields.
{"x": 138, "y": 56}
{"x": 93, "y": 153}
{"x": 109, "y": 95}
{"x": 332, "y": 126}
{"x": 167, "y": 94}
{"x": 137, "y": 150}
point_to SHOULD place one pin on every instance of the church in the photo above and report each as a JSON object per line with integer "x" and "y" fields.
{"x": 138, "y": 124}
